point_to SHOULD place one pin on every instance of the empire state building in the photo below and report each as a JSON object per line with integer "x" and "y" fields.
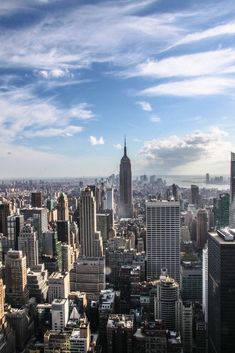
{"x": 125, "y": 187}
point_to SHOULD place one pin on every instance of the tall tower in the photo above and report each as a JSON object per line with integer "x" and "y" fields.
{"x": 62, "y": 208}
{"x": 16, "y": 278}
{"x": 232, "y": 193}
{"x": 125, "y": 184}
{"x": 28, "y": 244}
{"x": 90, "y": 239}
{"x": 221, "y": 289}
{"x": 163, "y": 238}
{"x": 202, "y": 227}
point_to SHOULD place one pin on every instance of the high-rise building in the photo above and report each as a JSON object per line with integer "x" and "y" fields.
{"x": 63, "y": 231}
{"x": 191, "y": 281}
{"x": 187, "y": 326}
{"x": 60, "y": 314}
{"x": 221, "y": 210}
{"x": 232, "y": 192}
{"x": 163, "y": 238}
{"x": 221, "y": 289}
{"x": 125, "y": 187}
{"x": 62, "y": 208}
{"x": 90, "y": 239}
{"x": 205, "y": 282}
{"x": 28, "y": 244}
{"x": 80, "y": 338}
{"x": 120, "y": 329}
{"x": 16, "y": 278}
{"x": 202, "y": 227}
{"x": 58, "y": 286}
{"x": 5, "y": 211}
{"x": 36, "y": 199}
{"x": 37, "y": 283}
{"x": 2, "y": 301}
{"x": 195, "y": 195}
{"x": 88, "y": 275}
{"x": 109, "y": 199}
{"x": 167, "y": 301}
{"x": 15, "y": 224}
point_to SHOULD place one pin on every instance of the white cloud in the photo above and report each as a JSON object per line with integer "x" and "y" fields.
{"x": 146, "y": 106}
{"x": 53, "y": 74}
{"x": 23, "y": 114}
{"x": 155, "y": 119}
{"x": 203, "y": 86}
{"x": 196, "y": 152}
{"x": 96, "y": 141}
{"x": 118, "y": 146}
{"x": 199, "y": 64}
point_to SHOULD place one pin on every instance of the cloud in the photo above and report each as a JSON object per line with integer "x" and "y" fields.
{"x": 203, "y": 86}
{"x": 155, "y": 119}
{"x": 196, "y": 152}
{"x": 118, "y": 146}
{"x": 25, "y": 115}
{"x": 199, "y": 64}
{"x": 96, "y": 141}
{"x": 53, "y": 74}
{"x": 146, "y": 106}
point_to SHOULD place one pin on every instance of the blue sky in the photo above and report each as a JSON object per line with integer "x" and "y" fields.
{"x": 76, "y": 76}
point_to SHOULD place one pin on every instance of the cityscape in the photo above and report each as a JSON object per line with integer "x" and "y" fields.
{"x": 117, "y": 176}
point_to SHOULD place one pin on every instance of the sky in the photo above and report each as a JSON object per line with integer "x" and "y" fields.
{"x": 76, "y": 76}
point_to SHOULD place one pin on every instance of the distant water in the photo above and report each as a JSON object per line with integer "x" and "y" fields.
{"x": 187, "y": 180}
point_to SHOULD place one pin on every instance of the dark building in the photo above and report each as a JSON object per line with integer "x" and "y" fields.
{"x": 232, "y": 192}
{"x": 195, "y": 195}
{"x": 5, "y": 211}
{"x": 221, "y": 210}
{"x": 63, "y": 231}
{"x": 125, "y": 187}
{"x": 36, "y": 199}
{"x": 221, "y": 291}
{"x": 120, "y": 334}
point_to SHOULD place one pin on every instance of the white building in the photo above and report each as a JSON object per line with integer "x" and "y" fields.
{"x": 58, "y": 286}
{"x": 163, "y": 238}
{"x": 80, "y": 338}
{"x": 28, "y": 244}
{"x": 60, "y": 314}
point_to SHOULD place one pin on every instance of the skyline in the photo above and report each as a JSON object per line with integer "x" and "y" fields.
{"x": 78, "y": 76}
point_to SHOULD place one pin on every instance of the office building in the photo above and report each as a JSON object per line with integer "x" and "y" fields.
{"x": 221, "y": 210}
{"x": 2, "y": 301}
{"x": 63, "y": 231}
{"x": 36, "y": 199}
{"x": 109, "y": 199}
{"x": 167, "y": 301}
{"x": 221, "y": 289}
{"x": 90, "y": 239}
{"x": 232, "y": 193}
{"x": 187, "y": 326}
{"x": 37, "y": 283}
{"x": 88, "y": 275}
{"x": 5, "y": 211}
{"x": 58, "y": 286}
{"x": 62, "y": 208}
{"x": 163, "y": 238}
{"x": 80, "y": 338}
{"x": 195, "y": 197}
{"x": 120, "y": 329}
{"x": 125, "y": 187}
{"x": 15, "y": 224}
{"x": 60, "y": 314}
{"x": 191, "y": 281}
{"x": 28, "y": 244}
{"x": 16, "y": 278}
{"x": 202, "y": 227}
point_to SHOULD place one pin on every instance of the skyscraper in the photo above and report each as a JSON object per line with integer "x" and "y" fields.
{"x": 62, "y": 208}
{"x": 16, "y": 278}
{"x": 232, "y": 193}
{"x": 195, "y": 195}
{"x": 221, "y": 210}
{"x": 125, "y": 187}
{"x": 221, "y": 289}
{"x": 163, "y": 238}
{"x": 202, "y": 227}
{"x": 90, "y": 238}
{"x": 36, "y": 199}
{"x": 28, "y": 243}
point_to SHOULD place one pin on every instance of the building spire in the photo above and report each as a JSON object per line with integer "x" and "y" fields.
{"x": 125, "y": 145}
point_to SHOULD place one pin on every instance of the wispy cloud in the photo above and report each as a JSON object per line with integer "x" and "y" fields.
{"x": 96, "y": 140}
{"x": 24, "y": 114}
{"x": 155, "y": 119}
{"x": 146, "y": 106}
{"x": 203, "y": 86}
